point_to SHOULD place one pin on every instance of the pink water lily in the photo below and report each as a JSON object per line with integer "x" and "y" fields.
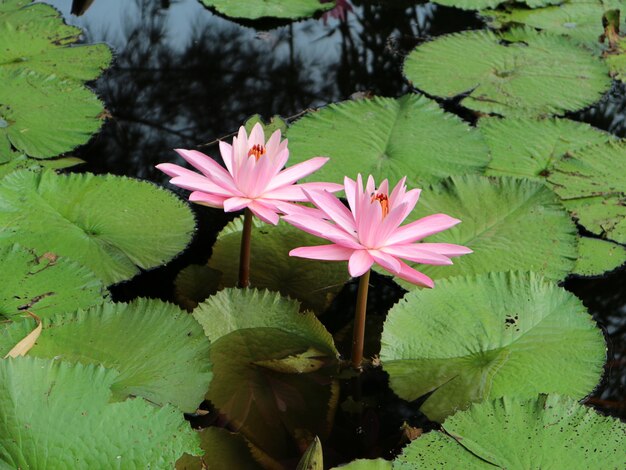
{"x": 252, "y": 178}
{"x": 370, "y": 230}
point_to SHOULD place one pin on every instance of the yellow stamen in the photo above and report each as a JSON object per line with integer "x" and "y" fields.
{"x": 257, "y": 150}
{"x": 384, "y": 202}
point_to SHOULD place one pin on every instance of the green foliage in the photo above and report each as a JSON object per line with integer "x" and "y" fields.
{"x": 598, "y": 256}
{"x": 59, "y": 415}
{"x": 532, "y": 74}
{"x": 255, "y": 9}
{"x": 388, "y": 138}
{"x": 499, "y": 334}
{"x": 482, "y": 4}
{"x": 549, "y": 432}
{"x": 14, "y": 161}
{"x": 364, "y": 464}
{"x": 160, "y": 352}
{"x": 592, "y": 181}
{"x": 511, "y": 224}
{"x": 110, "y": 224}
{"x": 45, "y": 284}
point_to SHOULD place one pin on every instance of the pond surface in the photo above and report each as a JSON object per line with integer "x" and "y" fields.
{"x": 184, "y": 77}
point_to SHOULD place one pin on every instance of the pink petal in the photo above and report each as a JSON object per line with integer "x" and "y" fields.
{"x": 209, "y": 168}
{"x": 370, "y": 186}
{"x": 384, "y": 187}
{"x": 257, "y": 136}
{"x": 174, "y": 170}
{"x": 414, "y": 276}
{"x": 447, "y": 249}
{"x": 398, "y": 192}
{"x": 322, "y": 229}
{"x": 323, "y": 252}
{"x": 333, "y": 208}
{"x": 286, "y": 193}
{"x": 410, "y": 199}
{"x": 245, "y": 175}
{"x": 294, "y": 173}
{"x": 196, "y": 182}
{"x": 389, "y": 224}
{"x": 422, "y": 228}
{"x": 205, "y": 199}
{"x": 368, "y": 219}
{"x": 289, "y": 209}
{"x": 226, "y": 150}
{"x": 349, "y": 186}
{"x": 273, "y": 144}
{"x": 360, "y": 262}
{"x": 279, "y": 161}
{"x": 234, "y": 204}
{"x": 264, "y": 212}
{"x": 262, "y": 177}
{"x": 390, "y": 263}
{"x": 417, "y": 254}
{"x": 330, "y": 187}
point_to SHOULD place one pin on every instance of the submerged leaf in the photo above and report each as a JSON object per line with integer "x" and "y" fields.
{"x": 523, "y": 74}
{"x": 499, "y": 334}
{"x": 59, "y": 415}
{"x": 160, "y": 352}
{"x": 113, "y": 225}
{"x": 255, "y": 9}
{"x": 388, "y": 138}
{"x": 26, "y": 343}
{"x": 549, "y": 432}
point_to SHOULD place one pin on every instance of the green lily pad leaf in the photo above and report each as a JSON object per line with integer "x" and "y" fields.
{"x": 489, "y": 336}
{"x": 531, "y": 74}
{"x": 527, "y": 148}
{"x": 222, "y": 449}
{"x": 511, "y": 224}
{"x": 59, "y": 415}
{"x": 276, "y": 123}
{"x": 255, "y": 9}
{"x": 365, "y": 464}
{"x": 16, "y": 161}
{"x": 272, "y": 408}
{"x": 598, "y": 256}
{"x": 45, "y": 285}
{"x": 594, "y": 180}
{"x": 315, "y": 284}
{"x": 113, "y": 225}
{"x": 482, "y": 4}
{"x": 30, "y": 102}
{"x": 388, "y": 138}
{"x": 545, "y": 432}
{"x": 163, "y": 356}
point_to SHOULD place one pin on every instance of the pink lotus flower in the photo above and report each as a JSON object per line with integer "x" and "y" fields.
{"x": 370, "y": 231}
{"x": 252, "y": 178}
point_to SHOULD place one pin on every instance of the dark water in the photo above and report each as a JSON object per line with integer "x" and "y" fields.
{"x": 184, "y": 76}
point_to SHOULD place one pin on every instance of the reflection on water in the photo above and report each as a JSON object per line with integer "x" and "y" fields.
{"x": 184, "y": 76}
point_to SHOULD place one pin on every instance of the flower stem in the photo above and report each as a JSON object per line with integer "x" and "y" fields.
{"x": 244, "y": 255}
{"x": 358, "y": 336}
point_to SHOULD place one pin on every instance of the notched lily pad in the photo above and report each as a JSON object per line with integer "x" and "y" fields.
{"x": 598, "y": 256}
{"x": 476, "y": 338}
{"x": 45, "y": 285}
{"x": 524, "y": 73}
{"x": 61, "y": 414}
{"x": 388, "y": 138}
{"x": 160, "y": 352}
{"x": 255, "y": 9}
{"x": 112, "y": 225}
{"x": 545, "y": 432}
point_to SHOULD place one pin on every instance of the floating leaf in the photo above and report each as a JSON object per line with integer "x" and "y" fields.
{"x": 528, "y": 148}
{"x": 276, "y": 123}
{"x": 592, "y": 181}
{"x": 255, "y": 9}
{"x": 250, "y": 331}
{"x": 16, "y": 162}
{"x": 160, "y": 351}
{"x": 313, "y": 283}
{"x": 388, "y": 138}
{"x": 477, "y": 338}
{"x": 598, "y": 256}
{"x": 482, "y": 4}
{"x": 545, "y": 432}
{"x": 511, "y": 224}
{"x": 529, "y": 74}
{"x": 110, "y": 224}
{"x": 59, "y": 415}
{"x": 45, "y": 285}
{"x": 222, "y": 449}
{"x": 365, "y": 464}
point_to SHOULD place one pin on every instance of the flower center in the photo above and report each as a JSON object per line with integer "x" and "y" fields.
{"x": 383, "y": 200}
{"x": 257, "y": 150}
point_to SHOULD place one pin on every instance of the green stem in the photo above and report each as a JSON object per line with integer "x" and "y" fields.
{"x": 358, "y": 336}
{"x": 244, "y": 255}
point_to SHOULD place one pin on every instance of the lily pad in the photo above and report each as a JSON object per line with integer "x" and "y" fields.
{"x": 113, "y": 225}
{"x": 598, "y": 256}
{"x": 273, "y": 369}
{"x": 388, "y": 138}
{"x": 482, "y": 4}
{"x": 315, "y": 284}
{"x": 511, "y": 224}
{"x": 59, "y": 415}
{"x": 548, "y": 432}
{"x": 366, "y": 464}
{"x": 499, "y": 334}
{"x": 160, "y": 352}
{"x": 528, "y": 148}
{"x": 592, "y": 182}
{"x": 45, "y": 285}
{"x": 528, "y": 74}
{"x": 16, "y": 161}
{"x": 255, "y": 9}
